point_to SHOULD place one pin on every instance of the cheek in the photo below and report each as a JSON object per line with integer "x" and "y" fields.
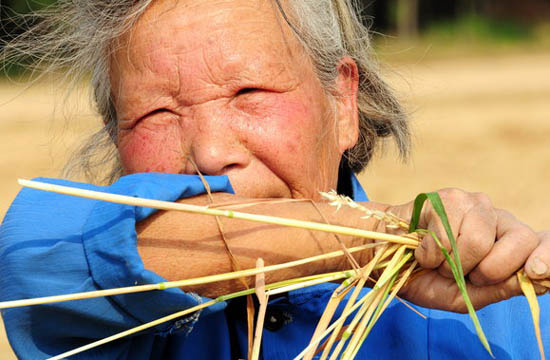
{"x": 153, "y": 149}
{"x": 300, "y": 126}
{"x": 286, "y": 137}
{"x": 301, "y": 153}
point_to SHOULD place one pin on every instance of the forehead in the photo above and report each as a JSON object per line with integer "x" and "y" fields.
{"x": 203, "y": 23}
{"x": 209, "y": 38}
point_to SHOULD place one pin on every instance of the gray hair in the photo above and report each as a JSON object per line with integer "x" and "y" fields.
{"x": 76, "y": 36}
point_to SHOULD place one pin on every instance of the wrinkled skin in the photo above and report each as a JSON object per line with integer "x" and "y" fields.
{"x": 226, "y": 84}
{"x": 493, "y": 245}
{"x": 231, "y": 89}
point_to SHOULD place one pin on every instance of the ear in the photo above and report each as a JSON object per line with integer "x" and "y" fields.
{"x": 347, "y": 116}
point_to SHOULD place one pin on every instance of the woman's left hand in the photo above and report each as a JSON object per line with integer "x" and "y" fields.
{"x": 493, "y": 245}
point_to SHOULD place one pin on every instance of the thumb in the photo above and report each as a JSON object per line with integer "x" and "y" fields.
{"x": 537, "y": 266}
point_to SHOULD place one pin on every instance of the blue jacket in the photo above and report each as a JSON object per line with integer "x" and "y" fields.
{"x": 55, "y": 244}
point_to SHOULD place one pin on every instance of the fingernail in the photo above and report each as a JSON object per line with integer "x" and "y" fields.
{"x": 538, "y": 267}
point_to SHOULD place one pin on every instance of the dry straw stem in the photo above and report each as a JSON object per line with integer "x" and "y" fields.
{"x": 391, "y": 221}
{"x": 359, "y": 280}
{"x": 327, "y": 315}
{"x": 365, "y": 317}
{"x": 133, "y": 330}
{"x": 263, "y": 299}
{"x": 280, "y": 284}
{"x": 404, "y": 276}
{"x": 316, "y": 280}
{"x": 367, "y": 269}
{"x": 382, "y": 287}
{"x": 167, "y": 205}
{"x": 228, "y": 213}
{"x": 339, "y": 321}
{"x": 235, "y": 265}
{"x": 382, "y": 305}
{"x": 354, "y": 264}
{"x": 529, "y": 292}
{"x": 367, "y": 305}
{"x": 394, "y": 222}
{"x": 180, "y": 283}
{"x": 241, "y": 205}
{"x": 370, "y": 305}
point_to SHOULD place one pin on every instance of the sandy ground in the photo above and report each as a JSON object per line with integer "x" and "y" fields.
{"x": 482, "y": 124}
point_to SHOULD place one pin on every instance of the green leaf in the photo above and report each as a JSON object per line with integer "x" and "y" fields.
{"x": 455, "y": 264}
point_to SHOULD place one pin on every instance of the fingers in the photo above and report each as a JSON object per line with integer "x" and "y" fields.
{"x": 428, "y": 254}
{"x": 516, "y": 241}
{"x": 434, "y": 291}
{"x": 537, "y": 265}
{"x": 475, "y": 237}
{"x": 473, "y": 220}
{"x": 493, "y": 245}
{"x": 476, "y": 225}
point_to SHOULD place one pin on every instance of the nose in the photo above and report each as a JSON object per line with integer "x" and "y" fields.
{"x": 216, "y": 147}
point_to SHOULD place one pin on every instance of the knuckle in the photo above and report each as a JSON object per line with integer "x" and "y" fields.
{"x": 507, "y": 289}
{"x": 544, "y": 235}
{"x": 457, "y": 302}
{"x": 445, "y": 271}
{"x": 475, "y": 246}
{"x": 483, "y": 276}
{"x": 505, "y": 214}
{"x": 435, "y": 228}
{"x": 428, "y": 262}
{"x": 483, "y": 200}
{"x": 452, "y": 193}
{"x": 480, "y": 245}
{"x": 475, "y": 278}
{"x": 474, "y": 254}
{"x": 526, "y": 236}
{"x": 427, "y": 256}
{"x": 501, "y": 293}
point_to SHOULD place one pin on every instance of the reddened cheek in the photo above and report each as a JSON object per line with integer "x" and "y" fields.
{"x": 142, "y": 151}
{"x": 281, "y": 119}
{"x": 288, "y": 132}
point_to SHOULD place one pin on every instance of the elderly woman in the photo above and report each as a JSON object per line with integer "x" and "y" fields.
{"x": 269, "y": 99}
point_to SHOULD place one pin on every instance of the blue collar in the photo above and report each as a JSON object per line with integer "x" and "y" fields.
{"x": 358, "y": 194}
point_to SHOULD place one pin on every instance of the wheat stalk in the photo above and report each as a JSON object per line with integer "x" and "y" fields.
{"x": 391, "y": 221}
{"x": 392, "y": 257}
{"x": 282, "y": 284}
{"x": 180, "y": 283}
{"x": 196, "y": 209}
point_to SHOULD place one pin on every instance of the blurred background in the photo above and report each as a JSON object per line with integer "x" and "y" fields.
{"x": 474, "y": 76}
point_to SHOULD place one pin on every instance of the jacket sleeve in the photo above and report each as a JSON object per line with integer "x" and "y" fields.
{"x": 53, "y": 244}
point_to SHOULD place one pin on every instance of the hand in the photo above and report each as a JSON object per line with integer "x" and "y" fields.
{"x": 537, "y": 266}
{"x": 493, "y": 245}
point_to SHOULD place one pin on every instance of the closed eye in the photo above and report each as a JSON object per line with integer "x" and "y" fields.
{"x": 157, "y": 111}
{"x": 149, "y": 115}
{"x": 247, "y": 90}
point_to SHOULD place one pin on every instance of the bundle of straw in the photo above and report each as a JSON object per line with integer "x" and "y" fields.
{"x": 393, "y": 261}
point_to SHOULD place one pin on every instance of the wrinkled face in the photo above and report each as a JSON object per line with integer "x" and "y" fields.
{"x": 226, "y": 84}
